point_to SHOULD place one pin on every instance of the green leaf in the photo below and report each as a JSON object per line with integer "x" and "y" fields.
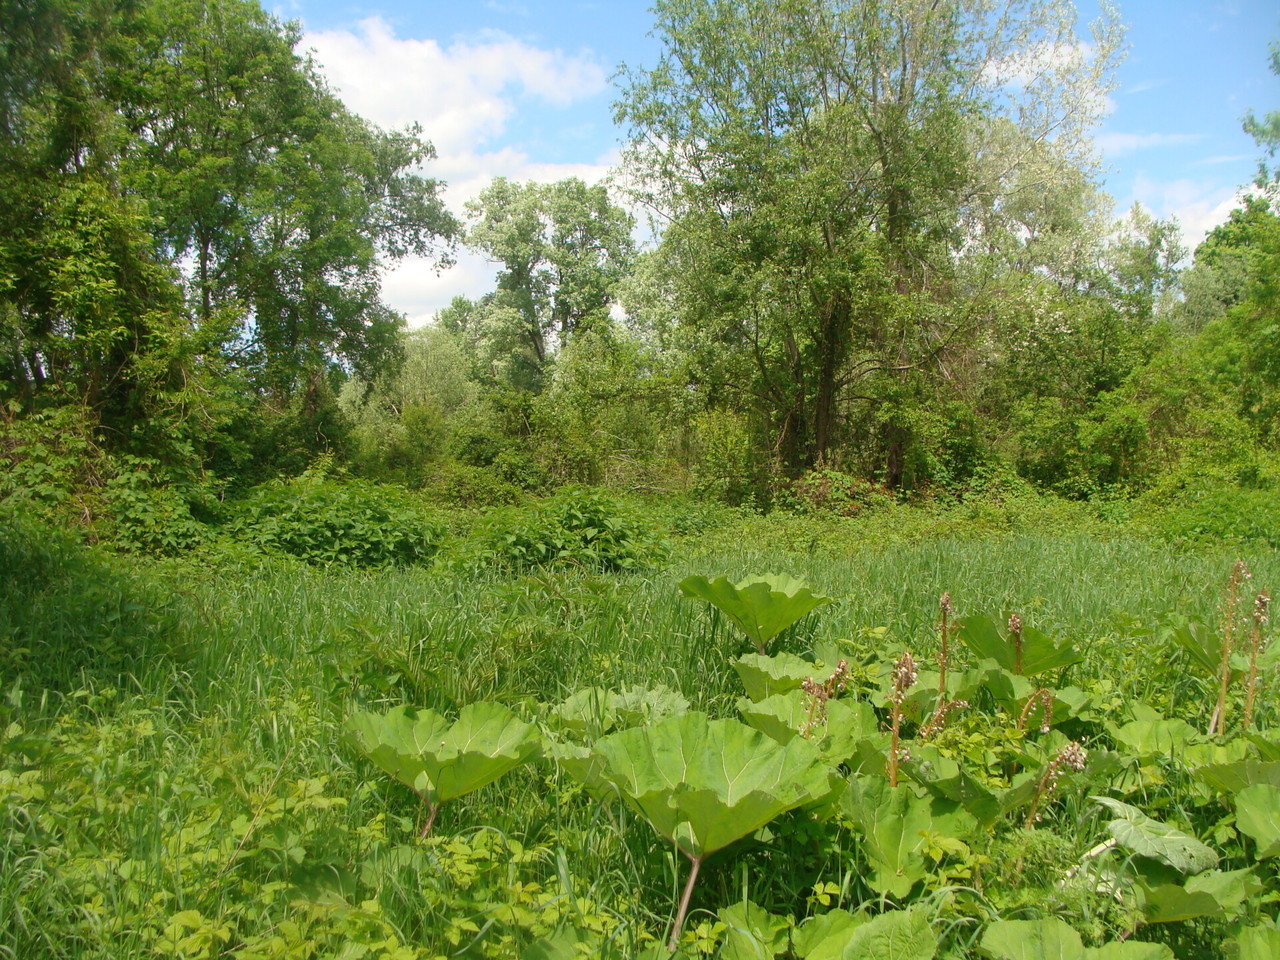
{"x": 895, "y": 825}
{"x": 1040, "y": 653}
{"x": 1231, "y": 888}
{"x": 1199, "y": 641}
{"x": 442, "y": 761}
{"x": 1231, "y": 778}
{"x": 1173, "y": 903}
{"x": 896, "y": 935}
{"x": 765, "y": 677}
{"x": 706, "y": 783}
{"x": 824, "y": 937}
{"x": 1258, "y": 816}
{"x": 752, "y": 932}
{"x": 1052, "y": 939}
{"x": 1047, "y": 939}
{"x": 1156, "y": 738}
{"x": 637, "y": 705}
{"x": 1259, "y": 943}
{"x": 1140, "y": 834}
{"x": 761, "y": 606}
{"x": 836, "y": 732}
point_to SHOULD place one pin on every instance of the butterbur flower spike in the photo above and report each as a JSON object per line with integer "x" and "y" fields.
{"x": 1074, "y": 756}
{"x": 904, "y": 674}
{"x": 1261, "y": 617}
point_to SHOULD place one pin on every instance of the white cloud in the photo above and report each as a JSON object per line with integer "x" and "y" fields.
{"x": 464, "y": 94}
{"x": 1118, "y": 144}
{"x": 1199, "y": 206}
{"x": 1223, "y": 158}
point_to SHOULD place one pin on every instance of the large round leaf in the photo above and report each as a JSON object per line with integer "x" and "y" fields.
{"x": 443, "y": 761}
{"x": 761, "y": 606}
{"x": 705, "y": 783}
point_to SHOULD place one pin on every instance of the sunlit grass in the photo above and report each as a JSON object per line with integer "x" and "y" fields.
{"x": 249, "y": 700}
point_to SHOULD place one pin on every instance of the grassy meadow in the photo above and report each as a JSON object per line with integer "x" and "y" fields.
{"x": 176, "y": 779}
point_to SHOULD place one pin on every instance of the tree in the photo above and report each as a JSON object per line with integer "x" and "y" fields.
{"x": 834, "y": 179}
{"x": 563, "y": 248}
{"x": 89, "y": 313}
{"x": 287, "y": 204}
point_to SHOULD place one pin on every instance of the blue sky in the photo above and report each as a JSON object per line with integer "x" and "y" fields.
{"x": 522, "y": 88}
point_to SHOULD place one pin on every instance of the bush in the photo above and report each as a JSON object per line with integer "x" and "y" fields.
{"x": 832, "y": 493}
{"x": 578, "y": 527}
{"x": 462, "y": 485}
{"x": 149, "y": 514}
{"x": 326, "y": 521}
{"x": 1214, "y": 512}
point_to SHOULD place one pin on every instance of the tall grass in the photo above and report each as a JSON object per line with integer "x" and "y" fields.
{"x": 240, "y": 690}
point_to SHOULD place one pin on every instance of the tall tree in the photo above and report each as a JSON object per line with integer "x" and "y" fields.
{"x": 285, "y": 203}
{"x": 563, "y": 248}
{"x": 88, "y": 312}
{"x": 819, "y": 167}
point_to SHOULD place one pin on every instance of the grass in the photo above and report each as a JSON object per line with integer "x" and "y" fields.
{"x": 208, "y": 779}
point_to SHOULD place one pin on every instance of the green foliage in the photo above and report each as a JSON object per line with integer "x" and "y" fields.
{"x": 761, "y": 607}
{"x": 1258, "y": 814}
{"x": 703, "y": 783}
{"x": 1140, "y": 834}
{"x": 68, "y": 612}
{"x": 440, "y": 761}
{"x": 584, "y": 528}
{"x": 1025, "y": 653}
{"x": 1052, "y": 939}
{"x": 332, "y": 522}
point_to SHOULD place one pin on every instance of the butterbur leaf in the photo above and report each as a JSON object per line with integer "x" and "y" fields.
{"x": 1173, "y": 903}
{"x": 442, "y": 761}
{"x": 752, "y": 933}
{"x": 762, "y": 607}
{"x": 1053, "y": 939}
{"x": 1258, "y": 816}
{"x": 1231, "y": 778}
{"x": 824, "y": 937}
{"x": 706, "y": 783}
{"x": 636, "y": 705}
{"x": 1230, "y": 888}
{"x": 1136, "y": 832}
{"x": 764, "y": 677}
{"x": 1199, "y": 641}
{"x": 591, "y": 711}
{"x": 895, "y": 827}
{"x": 1039, "y": 652}
{"x": 836, "y": 732}
{"x": 895, "y": 935}
{"x": 1259, "y": 943}
{"x": 395, "y": 741}
{"x": 1156, "y": 738}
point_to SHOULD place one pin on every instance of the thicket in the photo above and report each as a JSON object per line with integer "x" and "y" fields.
{"x": 148, "y": 402}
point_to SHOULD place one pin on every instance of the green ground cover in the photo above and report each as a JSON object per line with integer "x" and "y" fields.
{"x": 178, "y": 777}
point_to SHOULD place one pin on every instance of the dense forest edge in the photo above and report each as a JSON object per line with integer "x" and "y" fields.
{"x": 847, "y": 391}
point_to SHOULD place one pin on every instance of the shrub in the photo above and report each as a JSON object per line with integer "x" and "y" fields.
{"x": 1213, "y": 512}
{"x": 578, "y": 527}
{"x": 326, "y": 521}
{"x": 832, "y": 493}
